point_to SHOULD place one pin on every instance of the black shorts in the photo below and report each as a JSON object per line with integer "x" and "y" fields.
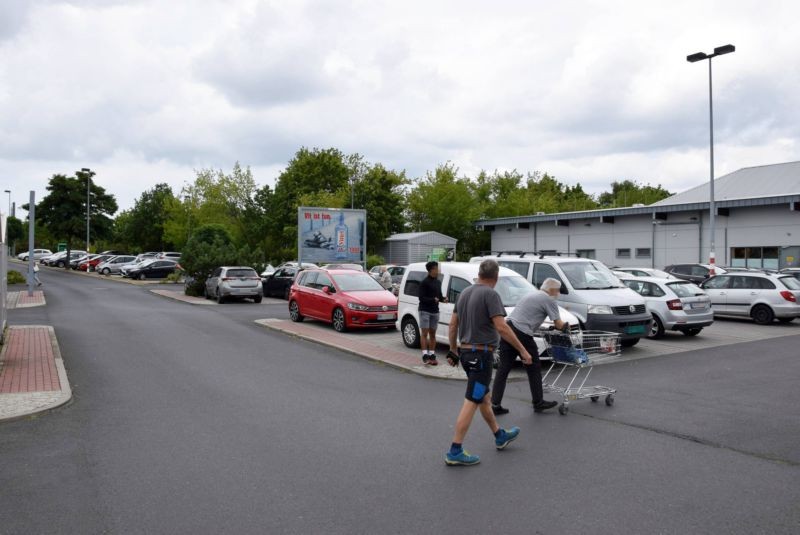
{"x": 478, "y": 365}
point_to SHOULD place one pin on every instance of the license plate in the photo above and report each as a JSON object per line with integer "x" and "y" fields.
{"x": 698, "y": 305}
{"x": 382, "y": 317}
{"x": 635, "y": 329}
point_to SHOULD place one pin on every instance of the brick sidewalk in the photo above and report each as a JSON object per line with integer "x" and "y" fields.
{"x": 32, "y": 374}
{"x": 23, "y": 300}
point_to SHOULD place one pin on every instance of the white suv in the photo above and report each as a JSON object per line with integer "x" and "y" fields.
{"x": 456, "y": 277}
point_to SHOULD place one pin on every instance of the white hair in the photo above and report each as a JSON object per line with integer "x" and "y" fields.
{"x": 550, "y": 284}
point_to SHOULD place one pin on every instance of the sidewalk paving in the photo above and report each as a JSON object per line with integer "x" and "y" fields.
{"x": 178, "y": 295}
{"x": 32, "y": 374}
{"x": 373, "y": 344}
{"x": 23, "y": 300}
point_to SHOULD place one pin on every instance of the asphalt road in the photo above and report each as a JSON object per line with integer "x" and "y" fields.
{"x": 190, "y": 419}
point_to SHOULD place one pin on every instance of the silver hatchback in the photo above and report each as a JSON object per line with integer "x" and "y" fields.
{"x": 234, "y": 281}
{"x": 761, "y": 296}
{"x": 676, "y": 305}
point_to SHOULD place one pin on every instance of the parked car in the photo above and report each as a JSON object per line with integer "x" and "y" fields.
{"x": 75, "y": 262}
{"x": 676, "y": 305}
{"x": 90, "y": 263}
{"x": 296, "y": 264}
{"x": 355, "y": 267}
{"x": 169, "y": 255}
{"x": 279, "y": 283}
{"x": 395, "y": 271}
{"x": 456, "y": 277}
{"x": 234, "y": 281}
{"x": 37, "y": 254}
{"x": 60, "y": 259}
{"x": 794, "y": 272}
{"x": 644, "y": 272}
{"x": 125, "y": 268}
{"x": 268, "y": 270}
{"x": 155, "y": 269}
{"x": 346, "y": 298}
{"x": 760, "y": 296}
{"x": 112, "y": 252}
{"x": 696, "y": 273}
{"x": 589, "y": 290}
{"x": 114, "y": 264}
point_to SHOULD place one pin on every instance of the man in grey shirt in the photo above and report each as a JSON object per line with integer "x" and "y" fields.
{"x": 476, "y": 325}
{"x": 525, "y": 320}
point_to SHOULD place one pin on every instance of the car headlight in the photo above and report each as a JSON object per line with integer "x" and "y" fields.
{"x": 600, "y": 309}
{"x": 356, "y": 306}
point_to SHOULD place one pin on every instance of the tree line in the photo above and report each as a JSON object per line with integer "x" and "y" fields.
{"x": 260, "y": 221}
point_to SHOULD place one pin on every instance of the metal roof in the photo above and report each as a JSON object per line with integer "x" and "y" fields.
{"x": 410, "y": 236}
{"x": 751, "y": 186}
{"x": 747, "y": 183}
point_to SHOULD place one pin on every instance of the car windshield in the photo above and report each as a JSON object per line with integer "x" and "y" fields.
{"x": 357, "y": 282}
{"x": 512, "y": 289}
{"x": 590, "y": 276}
{"x": 790, "y": 282}
{"x": 685, "y": 289}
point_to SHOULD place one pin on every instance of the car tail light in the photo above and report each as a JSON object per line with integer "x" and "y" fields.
{"x": 228, "y": 278}
{"x": 675, "y": 304}
{"x": 789, "y": 296}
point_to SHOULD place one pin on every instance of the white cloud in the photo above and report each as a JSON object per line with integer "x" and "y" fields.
{"x": 148, "y": 91}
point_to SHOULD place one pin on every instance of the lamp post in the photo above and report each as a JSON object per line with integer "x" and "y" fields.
{"x": 693, "y": 58}
{"x": 9, "y": 200}
{"x": 88, "y": 173}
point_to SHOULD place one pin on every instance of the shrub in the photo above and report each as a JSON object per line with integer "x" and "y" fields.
{"x": 206, "y": 251}
{"x": 15, "y": 277}
{"x": 374, "y": 260}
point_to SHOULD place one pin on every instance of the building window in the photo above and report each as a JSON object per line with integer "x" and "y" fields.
{"x": 623, "y": 253}
{"x": 756, "y": 257}
{"x": 587, "y": 253}
{"x": 643, "y": 252}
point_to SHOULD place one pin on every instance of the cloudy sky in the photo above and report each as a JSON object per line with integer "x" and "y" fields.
{"x": 147, "y": 91}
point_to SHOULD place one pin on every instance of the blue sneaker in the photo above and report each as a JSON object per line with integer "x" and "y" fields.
{"x": 506, "y": 437}
{"x": 463, "y": 458}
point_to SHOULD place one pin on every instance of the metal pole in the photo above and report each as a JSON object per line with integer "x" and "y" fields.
{"x": 712, "y": 209}
{"x": 88, "y": 209}
{"x": 31, "y": 226}
{"x": 352, "y": 192}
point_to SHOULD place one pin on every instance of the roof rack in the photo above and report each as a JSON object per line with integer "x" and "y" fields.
{"x": 557, "y": 253}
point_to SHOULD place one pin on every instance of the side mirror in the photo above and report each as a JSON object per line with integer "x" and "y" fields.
{"x": 563, "y": 290}
{"x": 326, "y": 289}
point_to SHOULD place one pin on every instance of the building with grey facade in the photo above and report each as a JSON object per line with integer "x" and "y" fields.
{"x": 406, "y": 248}
{"x": 757, "y": 225}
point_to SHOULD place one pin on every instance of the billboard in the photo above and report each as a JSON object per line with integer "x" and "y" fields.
{"x": 331, "y": 235}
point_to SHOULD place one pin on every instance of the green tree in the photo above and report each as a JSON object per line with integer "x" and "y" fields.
{"x": 143, "y": 226}
{"x": 630, "y": 192}
{"x": 380, "y": 192}
{"x": 63, "y": 209}
{"x": 15, "y": 232}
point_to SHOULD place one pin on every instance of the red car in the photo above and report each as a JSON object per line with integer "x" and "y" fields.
{"x": 93, "y": 261}
{"x": 342, "y": 297}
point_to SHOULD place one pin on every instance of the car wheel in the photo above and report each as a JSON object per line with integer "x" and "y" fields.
{"x": 142, "y": 276}
{"x": 106, "y": 271}
{"x": 410, "y": 332}
{"x": 339, "y": 321}
{"x": 60, "y": 264}
{"x": 220, "y": 298}
{"x": 294, "y": 312}
{"x": 692, "y": 332}
{"x": 286, "y": 293}
{"x": 762, "y": 314}
{"x": 656, "y": 329}
{"x": 257, "y": 299}
{"x": 786, "y": 320}
{"x": 630, "y": 342}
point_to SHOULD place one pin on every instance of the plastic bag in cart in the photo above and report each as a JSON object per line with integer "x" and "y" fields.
{"x": 572, "y": 355}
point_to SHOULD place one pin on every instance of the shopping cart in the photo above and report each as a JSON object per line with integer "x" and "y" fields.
{"x": 578, "y": 351}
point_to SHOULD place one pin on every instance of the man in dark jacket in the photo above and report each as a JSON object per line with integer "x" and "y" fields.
{"x": 430, "y": 295}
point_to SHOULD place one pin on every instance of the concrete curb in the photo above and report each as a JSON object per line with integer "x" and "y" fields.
{"x": 31, "y": 404}
{"x": 13, "y": 300}
{"x": 368, "y": 351}
{"x": 191, "y": 300}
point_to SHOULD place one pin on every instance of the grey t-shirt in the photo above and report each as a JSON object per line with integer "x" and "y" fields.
{"x": 476, "y": 306}
{"x": 531, "y": 310}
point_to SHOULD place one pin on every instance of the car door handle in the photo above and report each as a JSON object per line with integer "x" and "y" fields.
{"x": 753, "y": 293}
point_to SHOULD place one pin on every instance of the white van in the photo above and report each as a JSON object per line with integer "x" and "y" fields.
{"x": 589, "y": 290}
{"x": 456, "y": 277}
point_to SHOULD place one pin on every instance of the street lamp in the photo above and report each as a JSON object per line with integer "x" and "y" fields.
{"x": 88, "y": 173}
{"x": 693, "y": 58}
{"x": 9, "y": 200}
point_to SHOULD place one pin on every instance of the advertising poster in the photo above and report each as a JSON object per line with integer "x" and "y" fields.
{"x": 331, "y": 235}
